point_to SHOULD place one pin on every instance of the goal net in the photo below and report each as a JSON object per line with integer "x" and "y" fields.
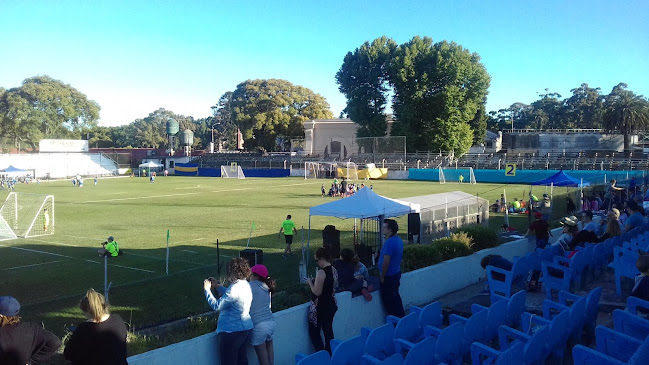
{"x": 442, "y": 178}
{"x": 352, "y": 171}
{"x": 319, "y": 170}
{"x": 26, "y": 215}
{"x": 232, "y": 172}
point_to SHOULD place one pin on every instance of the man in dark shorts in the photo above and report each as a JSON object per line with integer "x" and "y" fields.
{"x": 289, "y": 230}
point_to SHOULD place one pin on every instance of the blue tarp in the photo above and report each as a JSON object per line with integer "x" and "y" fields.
{"x": 13, "y": 169}
{"x": 561, "y": 179}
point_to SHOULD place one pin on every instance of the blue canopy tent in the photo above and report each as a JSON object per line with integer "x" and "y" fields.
{"x": 561, "y": 179}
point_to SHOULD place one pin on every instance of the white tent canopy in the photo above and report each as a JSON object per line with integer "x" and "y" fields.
{"x": 364, "y": 204}
{"x": 150, "y": 165}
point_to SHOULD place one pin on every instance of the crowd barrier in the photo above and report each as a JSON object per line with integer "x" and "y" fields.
{"x": 594, "y": 177}
{"x": 212, "y": 172}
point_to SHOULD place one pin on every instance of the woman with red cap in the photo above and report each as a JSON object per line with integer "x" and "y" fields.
{"x": 262, "y": 287}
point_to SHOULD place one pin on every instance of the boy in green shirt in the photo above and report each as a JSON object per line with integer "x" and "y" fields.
{"x": 289, "y": 229}
{"x": 110, "y": 248}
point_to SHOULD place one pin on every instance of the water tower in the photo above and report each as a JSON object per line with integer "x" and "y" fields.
{"x": 172, "y": 130}
{"x": 187, "y": 141}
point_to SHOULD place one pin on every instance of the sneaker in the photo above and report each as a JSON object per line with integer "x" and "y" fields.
{"x": 284, "y": 256}
{"x": 366, "y": 294}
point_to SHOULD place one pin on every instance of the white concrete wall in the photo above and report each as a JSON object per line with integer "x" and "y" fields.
{"x": 398, "y": 174}
{"x": 418, "y": 287}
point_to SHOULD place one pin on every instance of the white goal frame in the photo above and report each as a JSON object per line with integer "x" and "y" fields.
{"x": 442, "y": 178}
{"x": 232, "y": 172}
{"x": 472, "y": 176}
{"x": 318, "y": 170}
{"x": 35, "y": 218}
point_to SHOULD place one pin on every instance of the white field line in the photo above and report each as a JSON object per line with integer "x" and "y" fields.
{"x": 37, "y": 251}
{"x": 131, "y": 268}
{"x": 191, "y": 187}
{"x": 226, "y": 190}
{"x": 137, "y": 197}
{"x": 70, "y": 257}
{"x": 308, "y": 183}
{"x": 189, "y": 251}
{"x": 32, "y": 265}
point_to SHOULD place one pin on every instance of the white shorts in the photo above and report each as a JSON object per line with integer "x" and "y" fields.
{"x": 262, "y": 332}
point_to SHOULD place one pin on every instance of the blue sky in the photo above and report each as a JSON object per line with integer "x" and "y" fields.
{"x": 133, "y": 57}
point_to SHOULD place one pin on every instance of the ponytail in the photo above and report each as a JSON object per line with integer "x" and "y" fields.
{"x": 270, "y": 283}
{"x": 94, "y": 305}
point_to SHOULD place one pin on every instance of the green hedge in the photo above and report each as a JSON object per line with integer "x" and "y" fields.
{"x": 483, "y": 237}
{"x": 418, "y": 256}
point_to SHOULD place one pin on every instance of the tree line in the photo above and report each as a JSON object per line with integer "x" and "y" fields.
{"x": 434, "y": 93}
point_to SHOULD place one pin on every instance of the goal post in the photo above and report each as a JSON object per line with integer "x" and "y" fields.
{"x": 352, "y": 171}
{"x": 472, "y": 176}
{"x": 27, "y": 215}
{"x": 442, "y": 178}
{"x": 232, "y": 172}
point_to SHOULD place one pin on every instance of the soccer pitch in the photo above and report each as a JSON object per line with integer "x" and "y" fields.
{"x": 49, "y": 274}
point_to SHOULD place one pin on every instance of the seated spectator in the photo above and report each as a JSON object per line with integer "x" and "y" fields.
{"x": 570, "y": 205}
{"x": 587, "y": 219}
{"x": 641, "y": 288}
{"x": 569, "y": 231}
{"x": 635, "y": 216}
{"x": 347, "y": 280}
{"x": 20, "y": 342}
{"x": 612, "y": 226}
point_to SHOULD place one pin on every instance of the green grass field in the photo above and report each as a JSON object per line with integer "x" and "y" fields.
{"x": 49, "y": 274}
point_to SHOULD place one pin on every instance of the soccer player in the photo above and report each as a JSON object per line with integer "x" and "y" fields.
{"x": 289, "y": 230}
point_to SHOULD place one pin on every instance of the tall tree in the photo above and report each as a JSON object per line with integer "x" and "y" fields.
{"x": 584, "y": 109}
{"x": 43, "y": 107}
{"x": 364, "y": 80}
{"x": 438, "y": 89}
{"x": 626, "y": 112}
{"x": 225, "y": 130}
{"x": 552, "y": 106}
{"x": 269, "y": 112}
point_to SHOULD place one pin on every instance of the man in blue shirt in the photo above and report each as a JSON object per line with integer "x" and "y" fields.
{"x": 390, "y": 269}
{"x": 635, "y": 217}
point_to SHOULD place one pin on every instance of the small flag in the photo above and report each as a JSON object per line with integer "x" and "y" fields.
{"x": 167, "y": 235}
{"x": 253, "y": 225}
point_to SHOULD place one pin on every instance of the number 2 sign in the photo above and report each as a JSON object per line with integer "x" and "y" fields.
{"x": 510, "y": 169}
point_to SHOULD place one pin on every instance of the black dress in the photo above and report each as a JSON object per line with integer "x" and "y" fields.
{"x": 322, "y": 311}
{"x": 102, "y": 343}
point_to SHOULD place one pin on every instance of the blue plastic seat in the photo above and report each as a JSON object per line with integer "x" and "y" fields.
{"x": 630, "y": 324}
{"x": 496, "y": 317}
{"x": 578, "y": 263}
{"x": 407, "y": 333}
{"x": 591, "y": 311}
{"x": 534, "y": 351}
{"x": 559, "y": 281}
{"x": 482, "y": 354}
{"x": 447, "y": 347}
{"x": 318, "y": 358}
{"x": 347, "y": 352}
{"x": 633, "y": 303}
{"x": 577, "y": 313}
{"x": 624, "y": 265}
{"x": 421, "y": 353}
{"x": 613, "y": 348}
{"x": 474, "y": 329}
{"x": 379, "y": 344}
{"x": 515, "y": 308}
{"x": 430, "y": 315}
{"x": 557, "y": 338}
{"x": 519, "y": 272}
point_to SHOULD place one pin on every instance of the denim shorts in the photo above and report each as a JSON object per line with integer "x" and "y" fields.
{"x": 262, "y": 332}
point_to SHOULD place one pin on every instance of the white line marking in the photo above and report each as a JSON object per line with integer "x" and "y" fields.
{"x": 37, "y": 251}
{"x": 309, "y": 183}
{"x": 137, "y": 197}
{"x": 181, "y": 242}
{"x": 189, "y": 251}
{"x": 189, "y": 187}
{"x": 226, "y": 190}
{"x": 132, "y": 268}
{"x": 43, "y": 263}
{"x": 92, "y": 261}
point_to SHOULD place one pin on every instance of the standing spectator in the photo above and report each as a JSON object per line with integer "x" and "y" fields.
{"x": 541, "y": 230}
{"x": 322, "y": 190}
{"x": 641, "y": 287}
{"x": 570, "y": 205}
{"x": 20, "y": 342}
{"x": 461, "y": 178}
{"x": 101, "y": 339}
{"x": 323, "y": 301}
{"x": 632, "y": 186}
{"x": 635, "y": 217}
{"x": 262, "y": 287}
{"x": 546, "y": 207}
{"x": 390, "y": 269}
{"x": 343, "y": 188}
{"x": 503, "y": 204}
{"x": 594, "y": 205}
{"x": 234, "y": 323}
{"x": 611, "y": 194}
{"x": 289, "y": 229}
